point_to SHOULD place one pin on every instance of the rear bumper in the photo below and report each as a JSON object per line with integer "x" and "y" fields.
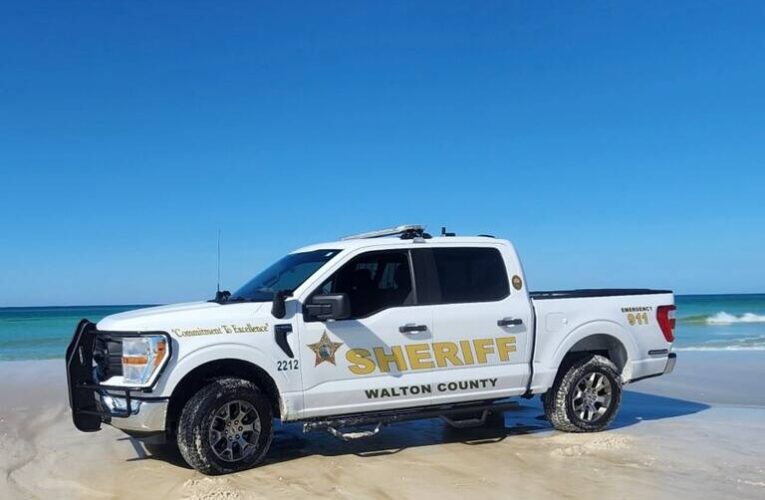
{"x": 653, "y": 367}
{"x": 671, "y": 360}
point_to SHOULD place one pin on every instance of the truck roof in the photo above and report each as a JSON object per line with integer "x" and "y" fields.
{"x": 351, "y": 244}
{"x": 412, "y": 233}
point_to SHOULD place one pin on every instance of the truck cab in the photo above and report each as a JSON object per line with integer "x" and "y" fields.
{"x": 412, "y": 328}
{"x": 370, "y": 329}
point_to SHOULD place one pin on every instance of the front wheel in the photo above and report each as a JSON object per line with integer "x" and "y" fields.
{"x": 586, "y": 397}
{"x": 225, "y": 427}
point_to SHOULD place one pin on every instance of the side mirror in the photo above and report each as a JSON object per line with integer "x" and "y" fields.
{"x": 278, "y": 308}
{"x": 330, "y": 306}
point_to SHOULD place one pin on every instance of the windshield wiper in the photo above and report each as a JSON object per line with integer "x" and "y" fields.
{"x": 221, "y": 297}
{"x": 240, "y": 299}
{"x": 225, "y": 297}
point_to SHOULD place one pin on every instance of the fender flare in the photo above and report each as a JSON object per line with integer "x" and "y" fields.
{"x": 599, "y": 327}
{"x": 216, "y": 352}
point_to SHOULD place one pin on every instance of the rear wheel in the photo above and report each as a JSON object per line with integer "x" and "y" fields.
{"x": 225, "y": 427}
{"x": 586, "y": 397}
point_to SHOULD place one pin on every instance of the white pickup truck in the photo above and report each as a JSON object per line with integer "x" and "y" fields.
{"x": 351, "y": 335}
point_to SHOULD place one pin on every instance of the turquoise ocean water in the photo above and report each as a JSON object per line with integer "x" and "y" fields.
{"x": 44, "y": 332}
{"x": 704, "y": 322}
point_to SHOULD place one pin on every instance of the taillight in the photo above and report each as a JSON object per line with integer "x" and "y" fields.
{"x": 665, "y": 315}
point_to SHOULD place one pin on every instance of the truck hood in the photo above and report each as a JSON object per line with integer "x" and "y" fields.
{"x": 165, "y": 318}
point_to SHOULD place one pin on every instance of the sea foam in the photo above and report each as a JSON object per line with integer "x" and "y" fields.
{"x": 756, "y": 343}
{"x": 723, "y": 318}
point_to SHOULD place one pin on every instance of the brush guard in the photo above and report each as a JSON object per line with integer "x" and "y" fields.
{"x": 88, "y": 410}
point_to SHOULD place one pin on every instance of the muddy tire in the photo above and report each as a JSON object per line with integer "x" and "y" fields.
{"x": 225, "y": 427}
{"x": 585, "y": 397}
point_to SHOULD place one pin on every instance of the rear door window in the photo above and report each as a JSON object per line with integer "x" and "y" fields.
{"x": 460, "y": 275}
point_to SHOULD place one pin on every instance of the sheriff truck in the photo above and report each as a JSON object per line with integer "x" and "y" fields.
{"x": 351, "y": 335}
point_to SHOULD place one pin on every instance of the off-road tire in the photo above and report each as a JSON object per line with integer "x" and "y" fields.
{"x": 197, "y": 416}
{"x": 559, "y": 400}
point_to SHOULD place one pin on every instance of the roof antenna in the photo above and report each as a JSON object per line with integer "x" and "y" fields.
{"x": 220, "y": 297}
{"x": 218, "y": 289}
{"x": 445, "y": 233}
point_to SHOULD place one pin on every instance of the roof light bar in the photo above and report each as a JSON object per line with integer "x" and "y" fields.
{"x": 393, "y": 231}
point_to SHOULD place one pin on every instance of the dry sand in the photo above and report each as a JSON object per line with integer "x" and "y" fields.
{"x": 697, "y": 432}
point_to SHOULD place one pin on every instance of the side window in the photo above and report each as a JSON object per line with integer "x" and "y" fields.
{"x": 461, "y": 275}
{"x": 373, "y": 281}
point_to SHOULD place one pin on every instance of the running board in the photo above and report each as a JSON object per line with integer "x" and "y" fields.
{"x": 380, "y": 419}
{"x": 466, "y": 422}
{"x": 352, "y": 436}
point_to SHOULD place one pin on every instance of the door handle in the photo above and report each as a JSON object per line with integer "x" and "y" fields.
{"x": 412, "y": 328}
{"x": 510, "y": 322}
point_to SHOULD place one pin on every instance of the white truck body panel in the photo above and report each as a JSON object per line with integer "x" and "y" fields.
{"x": 508, "y": 360}
{"x": 561, "y": 323}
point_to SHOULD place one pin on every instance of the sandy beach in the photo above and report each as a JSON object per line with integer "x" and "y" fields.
{"x": 699, "y": 431}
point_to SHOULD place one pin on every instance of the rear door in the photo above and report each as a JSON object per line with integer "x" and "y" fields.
{"x": 481, "y": 324}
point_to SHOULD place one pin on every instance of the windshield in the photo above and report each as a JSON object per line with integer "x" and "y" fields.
{"x": 286, "y": 274}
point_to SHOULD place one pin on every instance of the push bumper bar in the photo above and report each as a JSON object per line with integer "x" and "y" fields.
{"x": 93, "y": 404}
{"x": 87, "y": 413}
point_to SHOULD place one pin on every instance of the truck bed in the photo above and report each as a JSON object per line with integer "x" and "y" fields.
{"x": 628, "y": 316}
{"x": 594, "y": 292}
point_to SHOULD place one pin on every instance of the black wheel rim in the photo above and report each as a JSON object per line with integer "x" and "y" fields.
{"x": 592, "y": 397}
{"x": 234, "y": 431}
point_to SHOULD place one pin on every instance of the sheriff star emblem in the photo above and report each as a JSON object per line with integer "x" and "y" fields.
{"x": 325, "y": 349}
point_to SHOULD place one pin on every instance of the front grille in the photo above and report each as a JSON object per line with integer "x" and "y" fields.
{"x": 107, "y": 354}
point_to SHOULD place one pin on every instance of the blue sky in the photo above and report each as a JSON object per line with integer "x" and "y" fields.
{"x": 617, "y": 144}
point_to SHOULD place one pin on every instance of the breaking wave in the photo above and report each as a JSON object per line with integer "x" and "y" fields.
{"x": 723, "y": 318}
{"x": 741, "y": 344}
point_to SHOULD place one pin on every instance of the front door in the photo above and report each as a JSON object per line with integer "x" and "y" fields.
{"x": 375, "y": 359}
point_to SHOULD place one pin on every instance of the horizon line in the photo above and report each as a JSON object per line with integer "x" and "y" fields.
{"x": 170, "y": 303}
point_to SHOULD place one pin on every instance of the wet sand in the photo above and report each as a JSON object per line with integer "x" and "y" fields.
{"x": 699, "y": 431}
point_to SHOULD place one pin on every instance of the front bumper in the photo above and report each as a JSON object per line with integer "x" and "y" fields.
{"x": 93, "y": 404}
{"x": 146, "y": 416}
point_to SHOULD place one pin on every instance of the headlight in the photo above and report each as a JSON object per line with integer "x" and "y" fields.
{"x": 142, "y": 358}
